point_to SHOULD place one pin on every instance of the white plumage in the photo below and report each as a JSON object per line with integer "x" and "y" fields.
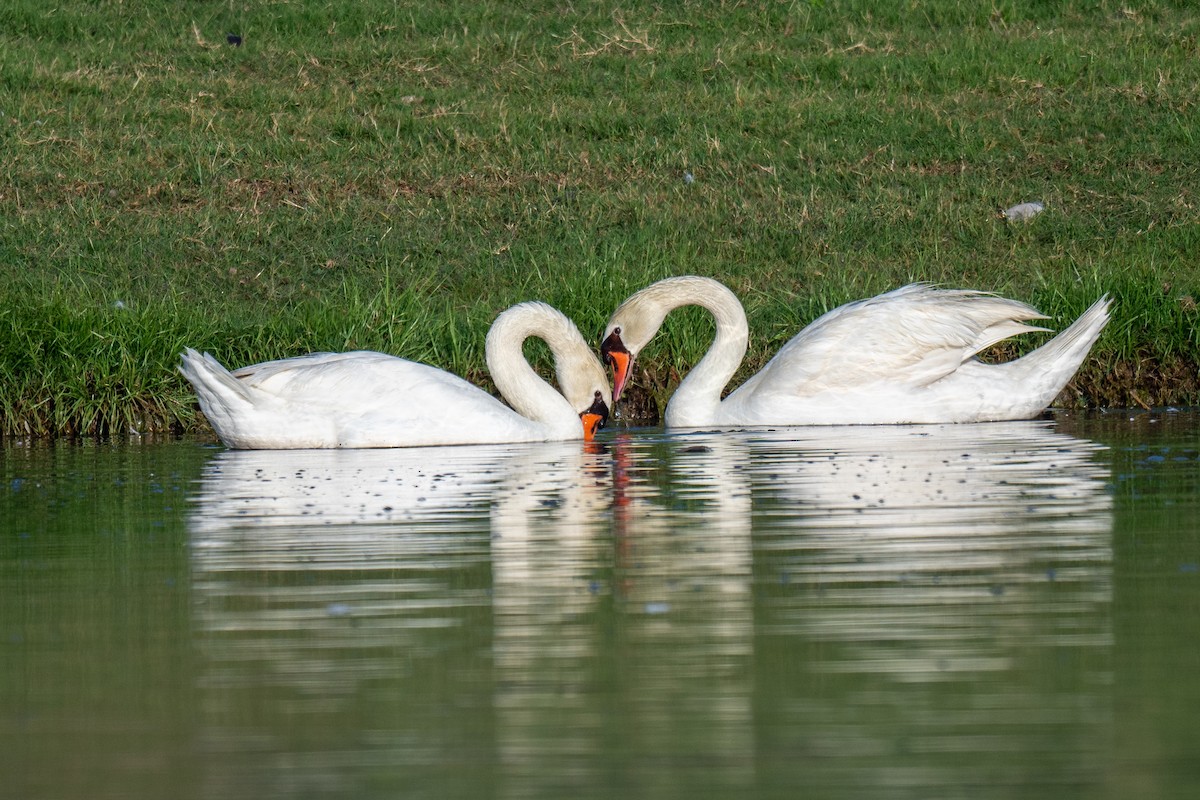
{"x": 368, "y": 399}
{"x": 906, "y": 356}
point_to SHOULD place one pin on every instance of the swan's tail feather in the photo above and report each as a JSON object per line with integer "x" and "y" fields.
{"x": 225, "y": 400}
{"x": 213, "y": 383}
{"x": 1053, "y": 364}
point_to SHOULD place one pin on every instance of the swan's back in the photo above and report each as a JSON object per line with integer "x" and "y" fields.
{"x": 908, "y": 337}
{"x": 356, "y": 399}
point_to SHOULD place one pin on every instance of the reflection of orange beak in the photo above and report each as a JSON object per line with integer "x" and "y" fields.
{"x": 621, "y": 360}
{"x": 595, "y": 418}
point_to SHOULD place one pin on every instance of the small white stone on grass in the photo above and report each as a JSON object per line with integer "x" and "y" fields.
{"x": 1023, "y": 212}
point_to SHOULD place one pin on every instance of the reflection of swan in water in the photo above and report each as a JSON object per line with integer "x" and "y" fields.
{"x": 254, "y": 489}
{"x": 545, "y": 521}
{"x": 310, "y": 596}
{"x": 686, "y": 526}
{"x": 548, "y": 558}
{"x": 688, "y": 569}
{"x": 577, "y": 614}
{"x": 329, "y": 584}
{"x": 933, "y": 475}
{"x": 367, "y": 512}
{"x": 923, "y": 582}
{"x": 677, "y": 568}
{"x": 948, "y": 498}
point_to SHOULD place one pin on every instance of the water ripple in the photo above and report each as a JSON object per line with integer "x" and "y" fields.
{"x": 657, "y": 585}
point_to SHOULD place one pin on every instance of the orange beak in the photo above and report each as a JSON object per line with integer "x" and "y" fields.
{"x": 591, "y": 423}
{"x": 595, "y": 418}
{"x": 613, "y": 351}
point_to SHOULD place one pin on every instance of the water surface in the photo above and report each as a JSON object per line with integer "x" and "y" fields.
{"x": 983, "y": 610}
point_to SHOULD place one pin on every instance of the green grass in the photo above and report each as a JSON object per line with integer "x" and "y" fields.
{"x": 392, "y": 174}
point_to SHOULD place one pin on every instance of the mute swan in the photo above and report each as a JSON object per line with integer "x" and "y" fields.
{"x": 367, "y": 399}
{"x": 906, "y": 356}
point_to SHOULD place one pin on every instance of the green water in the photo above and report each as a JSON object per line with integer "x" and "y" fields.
{"x": 974, "y": 611}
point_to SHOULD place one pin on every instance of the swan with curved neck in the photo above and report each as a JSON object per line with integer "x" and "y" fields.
{"x": 368, "y": 399}
{"x": 905, "y": 356}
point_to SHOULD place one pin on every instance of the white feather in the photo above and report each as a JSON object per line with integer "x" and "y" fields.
{"x": 906, "y": 356}
{"x": 369, "y": 399}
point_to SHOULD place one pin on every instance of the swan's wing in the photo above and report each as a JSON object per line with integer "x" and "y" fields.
{"x": 351, "y": 379}
{"x": 908, "y": 337}
{"x": 277, "y": 375}
{"x": 366, "y": 391}
{"x": 364, "y": 399}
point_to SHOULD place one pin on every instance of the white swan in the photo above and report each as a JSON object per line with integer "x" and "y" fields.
{"x": 367, "y": 399}
{"x": 906, "y": 356}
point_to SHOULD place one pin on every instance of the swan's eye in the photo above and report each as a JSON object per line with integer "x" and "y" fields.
{"x": 613, "y": 343}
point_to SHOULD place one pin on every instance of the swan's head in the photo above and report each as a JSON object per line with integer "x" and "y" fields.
{"x": 637, "y": 320}
{"x": 617, "y": 356}
{"x": 595, "y": 417}
{"x": 583, "y": 381}
{"x": 634, "y": 324}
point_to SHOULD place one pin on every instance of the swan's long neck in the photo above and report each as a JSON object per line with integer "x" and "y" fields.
{"x": 526, "y": 391}
{"x": 698, "y": 399}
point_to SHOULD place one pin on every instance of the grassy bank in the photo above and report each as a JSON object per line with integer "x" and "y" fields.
{"x": 390, "y": 175}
